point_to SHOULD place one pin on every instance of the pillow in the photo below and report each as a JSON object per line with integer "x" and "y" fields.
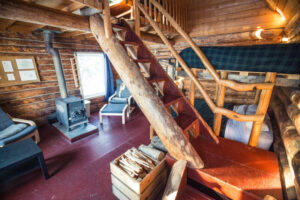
{"x": 5, "y": 121}
{"x": 12, "y": 130}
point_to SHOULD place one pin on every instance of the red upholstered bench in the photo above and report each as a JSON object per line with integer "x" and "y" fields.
{"x": 236, "y": 170}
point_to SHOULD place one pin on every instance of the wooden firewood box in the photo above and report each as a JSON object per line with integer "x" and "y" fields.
{"x": 125, "y": 187}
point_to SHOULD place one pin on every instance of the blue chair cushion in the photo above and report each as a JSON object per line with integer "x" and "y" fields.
{"x": 114, "y": 108}
{"x": 5, "y": 121}
{"x": 17, "y": 136}
{"x": 118, "y": 100}
{"x": 12, "y": 130}
{"x": 122, "y": 92}
{"x": 125, "y": 93}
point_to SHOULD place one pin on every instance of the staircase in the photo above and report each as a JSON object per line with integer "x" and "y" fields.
{"x": 174, "y": 100}
{"x": 231, "y": 168}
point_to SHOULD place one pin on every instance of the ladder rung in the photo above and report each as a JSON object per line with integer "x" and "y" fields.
{"x": 142, "y": 60}
{"x": 156, "y": 79}
{"x": 117, "y": 28}
{"x": 129, "y": 43}
{"x": 170, "y": 99}
{"x": 185, "y": 121}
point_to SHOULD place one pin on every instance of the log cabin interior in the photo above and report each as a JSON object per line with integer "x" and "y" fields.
{"x": 149, "y": 99}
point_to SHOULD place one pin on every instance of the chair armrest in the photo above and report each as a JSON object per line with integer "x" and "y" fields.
{"x": 112, "y": 96}
{"x": 129, "y": 100}
{"x": 25, "y": 121}
{"x": 103, "y": 107}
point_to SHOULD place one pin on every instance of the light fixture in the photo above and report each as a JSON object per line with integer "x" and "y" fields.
{"x": 258, "y": 33}
{"x": 114, "y": 2}
{"x": 285, "y": 39}
{"x": 281, "y": 14}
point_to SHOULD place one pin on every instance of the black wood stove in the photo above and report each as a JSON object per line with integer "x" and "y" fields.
{"x": 71, "y": 112}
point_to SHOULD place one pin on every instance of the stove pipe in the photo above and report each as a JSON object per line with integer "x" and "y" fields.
{"x": 48, "y": 37}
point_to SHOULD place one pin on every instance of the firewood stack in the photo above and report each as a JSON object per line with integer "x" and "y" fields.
{"x": 285, "y": 104}
{"x": 136, "y": 164}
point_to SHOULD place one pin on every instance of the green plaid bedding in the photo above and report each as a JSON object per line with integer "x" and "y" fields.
{"x": 281, "y": 58}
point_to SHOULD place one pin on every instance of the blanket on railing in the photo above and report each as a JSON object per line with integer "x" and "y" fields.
{"x": 280, "y": 58}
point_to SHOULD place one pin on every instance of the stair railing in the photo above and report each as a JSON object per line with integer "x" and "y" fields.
{"x": 218, "y": 110}
{"x": 176, "y": 9}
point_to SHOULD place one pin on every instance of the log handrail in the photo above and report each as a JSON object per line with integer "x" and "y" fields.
{"x": 266, "y": 87}
{"x": 228, "y": 83}
{"x": 208, "y": 100}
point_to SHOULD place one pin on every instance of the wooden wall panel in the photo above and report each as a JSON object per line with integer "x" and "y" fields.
{"x": 36, "y": 100}
{"x": 222, "y": 17}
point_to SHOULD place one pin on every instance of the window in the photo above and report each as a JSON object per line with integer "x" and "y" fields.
{"x": 91, "y": 72}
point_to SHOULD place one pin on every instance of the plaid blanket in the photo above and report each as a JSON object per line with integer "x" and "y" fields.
{"x": 281, "y": 58}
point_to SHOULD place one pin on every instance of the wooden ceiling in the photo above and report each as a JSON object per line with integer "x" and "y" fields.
{"x": 218, "y": 22}
{"x": 69, "y": 6}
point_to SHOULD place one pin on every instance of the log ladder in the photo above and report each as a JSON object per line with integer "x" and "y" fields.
{"x": 187, "y": 121}
{"x": 174, "y": 100}
{"x": 179, "y": 125}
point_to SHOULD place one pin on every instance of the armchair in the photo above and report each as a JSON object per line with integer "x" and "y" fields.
{"x": 121, "y": 95}
{"x": 15, "y": 129}
{"x": 119, "y": 104}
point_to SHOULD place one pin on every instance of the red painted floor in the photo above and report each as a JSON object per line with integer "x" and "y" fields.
{"x": 80, "y": 170}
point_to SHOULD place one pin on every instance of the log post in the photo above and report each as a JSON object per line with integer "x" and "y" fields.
{"x": 220, "y": 103}
{"x": 151, "y": 105}
{"x": 176, "y": 181}
{"x": 107, "y": 22}
{"x": 192, "y": 88}
{"x": 137, "y": 19}
{"x": 262, "y": 108}
{"x": 151, "y": 132}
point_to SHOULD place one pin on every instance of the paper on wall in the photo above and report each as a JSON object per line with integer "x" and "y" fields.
{"x": 28, "y": 75}
{"x": 25, "y": 63}
{"x": 7, "y": 66}
{"x": 10, "y": 77}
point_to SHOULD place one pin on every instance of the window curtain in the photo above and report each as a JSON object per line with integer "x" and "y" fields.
{"x": 109, "y": 83}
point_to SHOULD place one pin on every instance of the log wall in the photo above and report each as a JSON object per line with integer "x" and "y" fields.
{"x": 233, "y": 23}
{"x": 222, "y": 17}
{"x": 35, "y": 101}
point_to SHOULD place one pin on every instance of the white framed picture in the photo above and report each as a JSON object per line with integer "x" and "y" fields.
{"x": 7, "y": 66}
{"x": 10, "y": 77}
{"x": 29, "y": 75}
{"x": 25, "y": 63}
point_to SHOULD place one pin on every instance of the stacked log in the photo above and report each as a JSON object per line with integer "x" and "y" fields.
{"x": 289, "y": 135}
{"x": 292, "y": 109}
{"x": 294, "y": 96}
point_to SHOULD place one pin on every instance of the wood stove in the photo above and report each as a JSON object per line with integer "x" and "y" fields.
{"x": 71, "y": 112}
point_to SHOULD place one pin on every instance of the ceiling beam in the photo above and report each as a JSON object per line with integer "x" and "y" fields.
{"x": 72, "y": 7}
{"x": 96, "y": 4}
{"x": 35, "y": 14}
